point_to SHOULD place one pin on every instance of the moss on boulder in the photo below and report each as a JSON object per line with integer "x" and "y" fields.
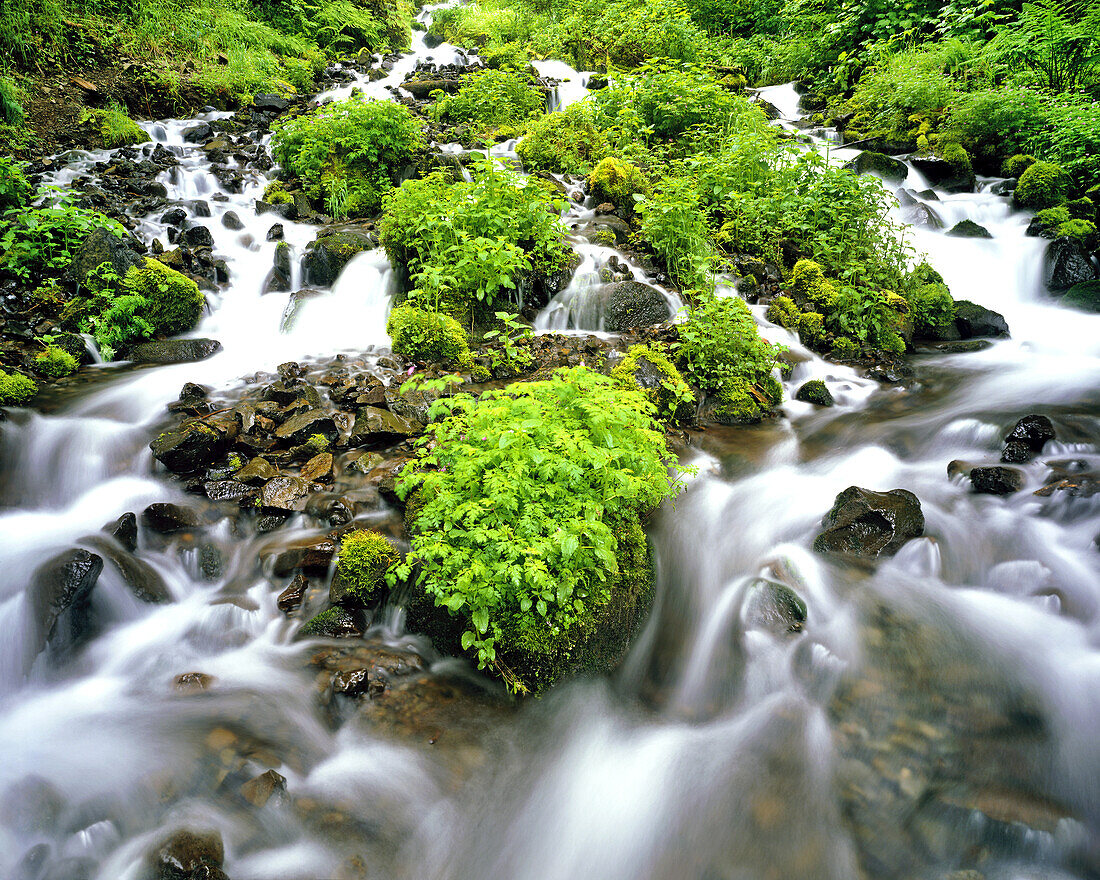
{"x": 433, "y": 337}
{"x": 173, "y": 301}
{"x": 617, "y": 181}
{"x": 1041, "y": 185}
{"x": 649, "y": 370}
{"x": 361, "y": 571}
{"x": 16, "y": 389}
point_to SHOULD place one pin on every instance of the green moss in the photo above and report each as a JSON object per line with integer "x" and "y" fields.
{"x": 361, "y": 571}
{"x": 737, "y": 404}
{"x": 844, "y": 349}
{"x": 1016, "y": 165}
{"x": 55, "y": 362}
{"x": 957, "y": 156}
{"x": 421, "y": 335}
{"x": 773, "y": 391}
{"x": 892, "y": 342}
{"x": 923, "y": 273}
{"x": 811, "y": 329}
{"x": 1076, "y": 229}
{"x": 815, "y": 392}
{"x": 783, "y": 311}
{"x": 617, "y": 181}
{"x": 173, "y": 301}
{"x": 563, "y": 143}
{"x": 275, "y": 193}
{"x": 1083, "y": 208}
{"x": 115, "y": 127}
{"x": 933, "y": 311}
{"x": 1042, "y": 185}
{"x": 318, "y": 442}
{"x": 16, "y": 389}
{"x": 812, "y": 288}
{"x": 330, "y": 623}
{"x": 668, "y": 391}
{"x": 1052, "y": 218}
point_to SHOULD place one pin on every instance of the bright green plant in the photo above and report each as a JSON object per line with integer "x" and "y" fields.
{"x": 1016, "y": 165}
{"x": 114, "y": 125}
{"x": 16, "y": 389}
{"x": 519, "y": 493}
{"x": 933, "y": 310}
{"x": 173, "y": 301}
{"x": 648, "y": 369}
{"x": 55, "y": 362}
{"x": 490, "y": 98}
{"x": 11, "y": 110}
{"x": 783, "y": 311}
{"x": 1057, "y": 40}
{"x": 361, "y": 568}
{"x": 15, "y": 191}
{"x": 674, "y": 226}
{"x": 618, "y": 182}
{"x": 563, "y": 143}
{"x": 39, "y": 243}
{"x": 1042, "y": 185}
{"x": 515, "y": 343}
{"x": 428, "y": 336}
{"x": 355, "y": 145}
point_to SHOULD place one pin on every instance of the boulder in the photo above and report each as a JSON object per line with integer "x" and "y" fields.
{"x": 375, "y": 426}
{"x": 969, "y": 229}
{"x": 140, "y": 578}
{"x": 335, "y": 623}
{"x": 292, "y": 596}
{"x": 627, "y": 305}
{"x": 229, "y": 490}
{"x": 922, "y": 215}
{"x": 259, "y": 470}
{"x": 197, "y": 236}
{"x": 313, "y": 555}
{"x": 283, "y": 493}
{"x": 61, "y": 584}
{"x": 973, "y": 320}
{"x": 815, "y": 392}
{"x": 191, "y": 446}
{"x": 231, "y": 220}
{"x": 1016, "y": 452}
{"x": 103, "y": 246}
{"x": 124, "y": 530}
{"x": 271, "y": 103}
{"x": 1067, "y": 264}
{"x": 333, "y": 249}
{"x": 188, "y": 855}
{"x": 1033, "y": 431}
{"x": 175, "y": 351}
{"x": 996, "y": 480}
{"x": 773, "y": 607}
{"x": 946, "y": 175}
{"x": 866, "y": 523}
{"x": 1084, "y": 296}
{"x": 199, "y": 133}
{"x": 167, "y": 518}
{"x": 886, "y": 167}
{"x": 299, "y": 428}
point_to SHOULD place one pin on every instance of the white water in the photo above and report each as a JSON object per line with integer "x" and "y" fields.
{"x": 713, "y": 753}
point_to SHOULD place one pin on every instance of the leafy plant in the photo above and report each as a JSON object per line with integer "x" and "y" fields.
{"x": 39, "y": 243}
{"x": 114, "y": 125}
{"x": 15, "y": 191}
{"x": 514, "y": 338}
{"x": 1058, "y": 40}
{"x": 490, "y": 98}
{"x": 566, "y": 142}
{"x": 55, "y": 362}
{"x": 674, "y": 226}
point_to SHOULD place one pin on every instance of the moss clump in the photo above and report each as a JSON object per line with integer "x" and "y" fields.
{"x": 844, "y": 349}
{"x": 649, "y": 370}
{"x": 331, "y": 623}
{"x": 811, "y": 329}
{"x": 811, "y": 288}
{"x": 1016, "y": 165}
{"x": 737, "y": 404}
{"x": 173, "y": 301}
{"x": 1083, "y": 208}
{"x": 361, "y": 570}
{"x": 1084, "y": 229}
{"x": 55, "y": 362}
{"x": 275, "y": 193}
{"x": 815, "y": 392}
{"x": 563, "y": 143}
{"x": 955, "y": 155}
{"x": 115, "y": 127}
{"x": 933, "y": 311}
{"x": 784, "y": 312}
{"x": 317, "y": 442}
{"x": 15, "y": 190}
{"x": 421, "y": 335}
{"x": 1042, "y": 185}
{"x": 16, "y": 389}
{"x": 617, "y": 181}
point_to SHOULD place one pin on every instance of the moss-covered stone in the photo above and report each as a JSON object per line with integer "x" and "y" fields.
{"x": 814, "y": 392}
{"x": 811, "y": 329}
{"x": 617, "y": 181}
{"x": 1042, "y": 185}
{"x": 1082, "y": 229}
{"x": 844, "y": 349}
{"x": 332, "y": 623}
{"x": 811, "y": 288}
{"x": 174, "y": 302}
{"x": 115, "y": 127}
{"x": 361, "y": 571}
{"x": 55, "y": 362}
{"x": 650, "y": 370}
{"x": 16, "y": 389}
{"x": 275, "y": 193}
{"x": 1016, "y": 165}
{"x": 1085, "y": 296}
{"x": 933, "y": 311}
{"x": 433, "y": 337}
{"x": 783, "y": 311}
{"x": 738, "y": 404}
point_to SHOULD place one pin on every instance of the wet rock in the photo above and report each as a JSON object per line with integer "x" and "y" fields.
{"x": 363, "y": 670}
{"x": 32, "y": 864}
{"x": 773, "y": 607}
{"x": 175, "y": 351}
{"x": 969, "y": 229}
{"x": 287, "y": 210}
{"x": 230, "y": 490}
{"x": 230, "y": 220}
{"x": 886, "y": 167}
{"x": 1078, "y": 486}
{"x": 973, "y": 321}
{"x": 866, "y": 523}
{"x": 188, "y": 855}
{"x": 260, "y": 789}
{"x": 103, "y": 246}
{"x": 274, "y": 103}
{"x": 199, "y": 133}
{"x": 326, "y": 256}
{"x": 815, "y": 392}
{"x": 278, "y": 279}
{"x": 197, "y": 236}
{"x": 996, "y": 480}
{"x": 1016, "y": 452}
{"x": 124, "y": 530}
{"x": 275, "y": 232}
{"x": 627, "y": 305}
{"x": 167, "y": 518}
{"x": 1033, "y": 430}
{"x": 298, "y": 429}
{"x": 140, "y": 578}
{"x": 946, "y": 175}
{"x": 1067, "y": 263}
{"x": 190, "y": 447}
{"x": 63, "y": 583}
{"x": 317, "y": 468}
{"x": 193, "y": 682}
{"x": 173, "y": 216}
{"x": 259, "y": 470}
{"x": 374, "y": 426}
{"x": 313, "y": 555}
{"x": 923, "y": 216}
{"x": 282, "y": 493}
{"x": 335, "y": 623}
{"x": 1084, "y": 296}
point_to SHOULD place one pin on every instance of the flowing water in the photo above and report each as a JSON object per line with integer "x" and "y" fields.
{"x": 932, "y": 714}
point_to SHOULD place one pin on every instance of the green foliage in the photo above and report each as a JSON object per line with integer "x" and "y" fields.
{"x": 114, "y": 125}
{"x": 11, "y": 110}
{"x": 1071, "y": 138}
{"x": 618, "y": 182}
{"x": 428, "y": 336}
{"x": 361, "y": 568}
{"x": 55, "y": 362}
{"x": 783, "y": 311}
{"x": 16, "y": 389}
{"x": 38, "y": 244}
{"x": 933, "y": 310}
{"x": 567, "y": 142}
{"x": 275, "y": 193}
{"x": 355, "y": 145}
{"x": 811, "y": 329}
{"x": 519, "y": 493}
{"x": 173, "y": 302}
{"x": 670, "y": 395}
{"x": 488, "y": 99}
{"x": 114, "y": 318}
{"x": 867, "y": 316}
{"x": 674, "y": 226}
{"x": 515, "y": 343}
{"x": 1016, "y": 165}
{"x": 469, "y": 244}
{"x": 1057, "y": 41}
{"x": 1042, "y": 185}
{"x": 995, "y": 124}
{"x": 720, "y": 350}
{"x": 1085, "y": 229}
{"x": 15, "y": 191}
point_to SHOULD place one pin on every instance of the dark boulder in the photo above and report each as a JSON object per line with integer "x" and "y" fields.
{"x": 299, "y": 428}
{"x": 332, "y": 250}
{"x": 923, "y": 216}
{"x": 175, "y": 351}
{"x": 124, "y": 530}
{"x": 1084, "y": 296}
{"x": 191, "y": 446}
{"x": 815, "y": 392}
{"x": 198, "y": 236}
{"x": 335, "y": 623}
{"x": 974, "y": 321}
{"x": 231, "y": 220}
{"x": 188, "y": 855}
{"x": 62, "y": 584}
{"x": 773, "y": 607}
{"x": 886, "y": 167}
{"x": 140, "y": 578}
{"x": 946, "y": 175}
{"x": 284, "y": 493}
{"x": 1067, "y": 264}
{"x": 229, "y": 490}
{"x": 173, "y": 216}
{"x": 199, "y": 133}
{"x": 1016, "y": 452}
{"x": 627, "y": 305}
{"x": 374, "y": 426}
{"x": 870, "y": 524}
{"x": 1032, "y": 430}
{"x": 292, "y": 596}
{"x": 167, "y": 518}
{"x": 969, "y": 229}
{"x": 103, "y": 246}
{"x": 996, "y": 480}
{"x": 271, "y": 103}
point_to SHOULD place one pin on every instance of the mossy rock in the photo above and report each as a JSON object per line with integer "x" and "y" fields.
{"x": 1042, "y": 185}
{"x": 361, "y": 571}
{"x": 1016, "y": 165}
{"x": 174, "y": 301}
{"x": 16, "y": 389}
{"x": 811, "y": 329}
{"x": 617, "y": 181}
{"x": 332, "y": 623}
{"x": 115, "y": 127}
{"x": 811, "y": 289}
{"x": 783, "y": 311}
{"x": 55, "y": 362}
{"x": 879, "y": 164}
{"x": 421, "y": 335}
{"x": 1085, "y": 296}
{"x": 650, "y": 370}
{"x": 738, "y": 404}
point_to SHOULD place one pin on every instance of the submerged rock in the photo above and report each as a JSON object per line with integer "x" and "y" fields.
{"x": 866, "y": 523}
{"x": 188, "y": 855}
{"x": 167, "y": 518}
{"x": 335, "y": 623}
{"x": 773, "y": 607}
{"x": 969, "y": 229}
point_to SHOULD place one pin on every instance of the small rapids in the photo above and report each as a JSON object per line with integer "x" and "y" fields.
{"x": 931, "y": 715}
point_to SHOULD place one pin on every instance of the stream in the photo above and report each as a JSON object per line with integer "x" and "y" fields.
{"x": 933, "y": 715}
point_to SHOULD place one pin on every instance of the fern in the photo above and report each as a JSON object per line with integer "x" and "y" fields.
{"x": 1058, "y": 40}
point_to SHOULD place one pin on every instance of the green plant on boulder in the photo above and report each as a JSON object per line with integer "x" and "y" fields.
{"x": 422, "y": 335}
{"x": 115, "y": 127}
{"x": 16, "y": 389}
{"x": 811, "y": 329}
{"x": 275, "y": 193}
{"x": 1083, "y": 229}
{"x": 649, "y": 370}
{"x": 783, "y": 311}
{"x": 1016, "y": 165}
{"x": 617, "y": 182}
{"x": 173, "y": 302}
{"x": 811, "y": 288}
{"x": 567, "y": 142}
{"x": 361, "y": 570}
{"x": 933, "y": 311}
{"x": 488, "y": 99}
{"x": 55, "y": 362}
{"x": 1041, "y": 185}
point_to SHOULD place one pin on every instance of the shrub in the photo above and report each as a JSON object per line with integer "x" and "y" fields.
{"x": 933, "y": 310}
{"x": 1042, "y": 185}
{"x": 1016, "y": 165}
{"x": 15, "y": 191}
{"x": 811, "y": 329}
{"x": 996, "y": 124}
{"x": 783, "y": 311}
{"x": 490, "y": 98}
{"x": 11, "y": 110}
{"x": 38, "y": 244}
{"x": 522, "y": 496}
{"x": 115, "y": 127}
{"x": 275, "y": 193}
{"x": 649, "y": 370}
{"x": 361, "y": 569}
{"x": 173, "y": 302}
{"x": 616, "y": 181}
{"x": 354, "y": 150}
{"x": 16, "y": 389}
{"x": 55, "y": 362}
{"x": 428, "y": 336}
{"x": 563, "y": 143}
{"x": 675, "y": 227}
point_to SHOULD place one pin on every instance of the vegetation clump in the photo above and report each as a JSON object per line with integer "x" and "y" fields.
{"x": 1041, "y": 185}
{"x": 567, "y": 142}
{"x": 648, "y": 368}
{"x": 54, "y": 362}
{"x": 618, "y": 182}
{"x": 173, "y": 302}
{"x": 428, "y": 336}
{"x": 527, "y": 519}
{"x": 361, "y": 569}
{"x": 114, "y": 126}
{"x": 16, "y": 389}
{"x": 489, "y": 99}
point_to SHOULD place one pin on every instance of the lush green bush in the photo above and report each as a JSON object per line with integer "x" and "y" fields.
{"x": 15, "y": 192}
{"x": 16, "y": 389}
{"x": 673, "y": 224}
{"x": 519, "y": 498}
{"x": 428, "y": 336}
{"x": 173, "y": 302}
{"x": 361, "y": 568}
{"x": 933, "y": 310}
{"x": 11, "y": 110}
{"x": 662, "y": 383}
{"x": 349, "y": 154}
{"x": 618, "y": 182}
{"x": 488, "y": 99}
{"x": 1042, "y": 185}
{"x": 114, "y": 125}
{"x": 38, "y": 244}
{"x": 563, "y": 143}
{"x": 997, "y": 123}
{"x": 55, "y": 362}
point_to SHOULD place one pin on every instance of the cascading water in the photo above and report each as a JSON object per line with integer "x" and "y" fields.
{"x": 932, "y": 713}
